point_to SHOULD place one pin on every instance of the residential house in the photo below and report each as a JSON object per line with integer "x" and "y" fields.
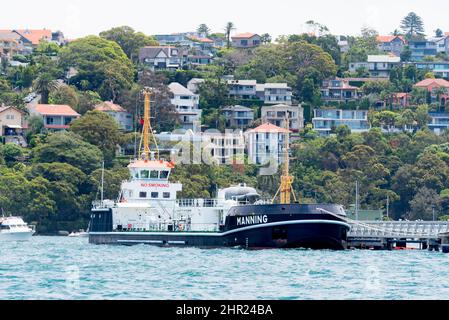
{"x": 12, "y": 43}
{"x": 401, "y": 99}
{"x": 198, "y": 60}
{"x": 12, "y": 124}
{"x": 423, "y": 48}
{"x": 246, "y": 40}
{"x": 439, "y": 69}
{"x": 434, "y": 86}
{"x": 35, "y": 36}
{"x": 339, "y": 90}
{"x": 194, "y": 83}
{"x": 11, "y": 121}
{"x": 391, "y": 44}
{"x": 377, "y": 65}
{"x": 174, "y": 39}
{"x": 238, "y": 116}
{"x": 274, "y": 93}
{"x": 343, "y": 43}
{"x": 266, "y": 144}
{"x": 56, "y": 117}
{"x": 327, "y": 120}
{"x": 160, "y": 57}
{"x": 123, "y": 118}
{"x": 187, "y": 105}
{"x": 278, "y": 113}
{"x": 243, "y": 89}
{"x": 439, "y": 122}
{"x": 224, "y": 148}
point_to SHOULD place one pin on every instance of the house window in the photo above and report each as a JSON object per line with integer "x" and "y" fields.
{"x": 154, "y": 195}
{"x": 143, "y": 195}
{"x": 50, "y": 120}
{"x": 166, "y": 195}
{"x": 244, "y": 42}
{"x": 154, "y": 174}
{"x": 10, "y": 117}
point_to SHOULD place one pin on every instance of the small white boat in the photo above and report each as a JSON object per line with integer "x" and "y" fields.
{"x": 80, "y": 234}
{"x": 14, "y": 228}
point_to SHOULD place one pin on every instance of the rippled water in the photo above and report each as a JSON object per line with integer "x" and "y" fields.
{"x": 70, "y": 268}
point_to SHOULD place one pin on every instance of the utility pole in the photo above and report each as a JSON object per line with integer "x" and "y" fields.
{"x": 357, "y": 200}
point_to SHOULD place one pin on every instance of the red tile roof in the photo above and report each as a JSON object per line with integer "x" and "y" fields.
{"x": 432, "y": 82}
{"x": 246, "y": 35}
{"x": 388, "y": 38}
{"x": 35, "y": 36}
{"x": 109, "y": 106}
{"x": 401, "y": 95}
{"x": 204, "y": 40}
{"x": 269, "y": 128}
{"x": 56, "y": 110}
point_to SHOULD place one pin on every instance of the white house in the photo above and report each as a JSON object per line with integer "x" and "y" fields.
{"x": 274, "y": 93}
{"x": 187, "y": 105}
{"x": 278, "y": 113}
{"x": 265, "y": 144}
{"x": 378, "y": 66}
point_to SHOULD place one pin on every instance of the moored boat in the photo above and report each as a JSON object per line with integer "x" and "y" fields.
{"x": 14, "y": 229}
{"x": 148, "y": 211}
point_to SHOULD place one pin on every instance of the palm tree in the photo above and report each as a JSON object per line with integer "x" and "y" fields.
{"x": 228, "y": 29}
{"x": 43, "y": 85}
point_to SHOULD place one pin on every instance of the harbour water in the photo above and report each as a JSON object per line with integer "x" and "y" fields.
{"x": 70, "y": 268}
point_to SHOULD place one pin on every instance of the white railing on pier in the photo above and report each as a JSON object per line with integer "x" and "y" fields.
{"x": 398, "y": 229}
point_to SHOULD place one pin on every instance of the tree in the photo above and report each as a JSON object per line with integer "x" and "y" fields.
{"x": 101, "y": 64}
{"x": 43, "y": 85}
{"x": 422, "y": 203}
{"x": 265, "y": 38}
{"x": 203, "y": 29}
{"x": 413, "y": 26}
{"x": 99, "y": 129}
{"x": 68, "y": 147}
{"x": 228, "y": 29}
{"x": 422, "y": 115}
{"x": 47, "y": 48}
{"x": 11, "y": 152}
{"x": 439, "y": 33}
{"x": 406, "y": 54}
{"x": 35, "y": 124}
{"x": 129, "y": 40}
{"x": 65, "y": 95}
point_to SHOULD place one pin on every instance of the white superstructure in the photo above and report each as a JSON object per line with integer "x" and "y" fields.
{"x": 14, "y": 228}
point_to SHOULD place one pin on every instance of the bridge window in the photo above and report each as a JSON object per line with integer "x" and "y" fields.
{"x": 144, "y": 174}
{"x": 154, "y": 174}
{"x": 166, "y": 195}
{"x": 154, "y": 195}
{"x": 143, "y": 195}
{"x": 164, "y": 174}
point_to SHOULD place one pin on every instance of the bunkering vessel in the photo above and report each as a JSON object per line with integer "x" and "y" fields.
{"x": 148, "y": 212}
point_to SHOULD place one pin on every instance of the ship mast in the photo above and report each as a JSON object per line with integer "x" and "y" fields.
{"x": 286, "y": 188}
{"x": 147, "y": 131}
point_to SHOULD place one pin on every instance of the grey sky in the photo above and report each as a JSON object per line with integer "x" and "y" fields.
{"x": 78, "y": 18}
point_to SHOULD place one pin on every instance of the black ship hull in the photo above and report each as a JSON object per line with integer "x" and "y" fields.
{"x": 250, "y": 227}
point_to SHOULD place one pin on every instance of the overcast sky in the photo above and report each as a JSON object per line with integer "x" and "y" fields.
{"x": 77, "y": 18}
